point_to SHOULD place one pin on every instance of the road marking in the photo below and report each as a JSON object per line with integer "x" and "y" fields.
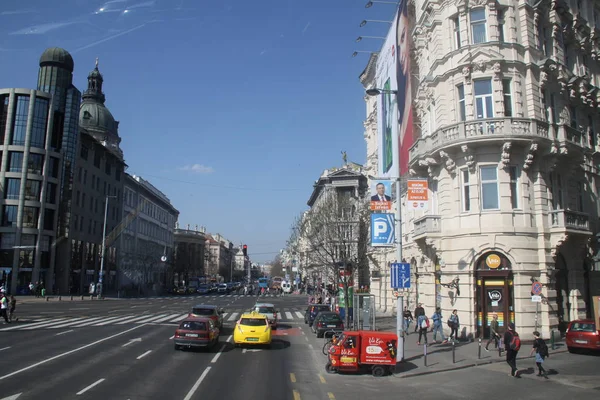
{"x": 94, "y": 320}
{"x": 216, "y": 357}
{"x": 59, "y": 324}
{"x": 65, "y": 324}
{"x": 250, "y": 350}
{"x": 297, "y": 395}
{"x": 331, "y": 396}
{"x": 47, "y": 360}
{"x": 180, "y": 318}
{"x": 13, "y": 397}
{"x": 303, "y": 332}
{"x": 288, "y": 315}
{"x": 62, "y": 333}
{"x": 35, "y": 324}
{"x": 310, "y": 345}
{"x": 299, "y": 314}
{"x": 232, "y": 316}
{"x": 143, "y": 355}
{"x": 322, "y": 379}
{"x": 76, "y": 309}
{"x": 171, "y": 338}
{"x": 155, "y": 318}
{"x": 197, "y": 384}
{"x": 5, "y": 348}
{"x": 131, "y": 341}
{"x": 132, "y": 319}
{"x": 82, "y": 391}
{"x": 306, "y": 338}
{"x": 293, "y": 377}
{"x": 167, "y": 318}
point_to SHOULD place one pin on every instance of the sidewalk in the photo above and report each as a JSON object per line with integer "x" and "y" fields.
{"x": 439, "y": 356}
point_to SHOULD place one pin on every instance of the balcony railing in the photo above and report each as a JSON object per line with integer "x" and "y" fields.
{"x": 570, "y": 220}
{"x": 426, "y": 225}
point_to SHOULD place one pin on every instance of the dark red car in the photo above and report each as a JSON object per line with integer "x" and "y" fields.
{"x": 196, "y": 332}
{"x": 583, "y": 334}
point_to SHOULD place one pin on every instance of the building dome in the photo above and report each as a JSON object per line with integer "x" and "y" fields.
{"x": 95, "y": 117}
{"x": 58, "y": 57}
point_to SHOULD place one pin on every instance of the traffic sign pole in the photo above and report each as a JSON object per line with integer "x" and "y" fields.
{"x": 399, "y": 299}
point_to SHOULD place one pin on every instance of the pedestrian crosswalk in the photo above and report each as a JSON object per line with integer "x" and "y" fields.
{"x": 229, "y": 318}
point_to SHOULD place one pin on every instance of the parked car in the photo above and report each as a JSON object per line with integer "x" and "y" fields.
{"x": 583, "y": 334}
{"x": 196, "y": 332}
{"x": 312, "y": 310}
{"x": 268, "y": 310}
{"x": 223, "y": 288}
{"x": 327, "y": 321}
{"x": 209, "y": 311}
{"x": 203, "y": 289}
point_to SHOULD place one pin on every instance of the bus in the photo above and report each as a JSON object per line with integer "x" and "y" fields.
{"x": 263, "y": 283}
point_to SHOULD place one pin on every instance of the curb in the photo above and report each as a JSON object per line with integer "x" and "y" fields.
{"x": 471, "y": 365}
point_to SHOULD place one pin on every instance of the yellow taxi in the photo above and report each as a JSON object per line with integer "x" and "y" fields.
{"x": 252, "y": 328}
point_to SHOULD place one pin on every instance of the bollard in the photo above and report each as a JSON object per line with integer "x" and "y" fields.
{"x": 71, "y": 297}
{"x": 81, "y": 297}
{"x": 479, "y": 349}
{"x": 425, "y": 353}
{"x": 453, "y": 352}
{"x": 59, "y": 298}
{"x": 47, "y": 298}
{"x": 552, "y": 339}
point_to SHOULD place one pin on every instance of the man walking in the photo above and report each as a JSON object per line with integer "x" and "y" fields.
{"x": 512, "y": 344}
{"x": 418, "y": 312}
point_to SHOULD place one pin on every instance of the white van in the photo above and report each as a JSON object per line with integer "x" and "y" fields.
{"x": 286, "y": 287}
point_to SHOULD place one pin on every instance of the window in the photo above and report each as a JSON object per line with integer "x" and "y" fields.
{"x": 456, "y": 28}
{"x": 35, "y": 163}
{"x": 53, "y": 166}
{"x": 15, "y": 161}
{"x": 466, "y": 192}
{"x": 513, "y": 173}
{"x": 49, "y": 220}
{"x": 555, "y": 191}
{"x": 51, "y": 193}
{"x": 84, "y": 152}
{"x": 30, "y": 217}
{"x": 489, "y": 188}
{"x": 555, "y": 119}
{"x": 118, "y": 174}
{"x": 500, "y": 15}
{"x": 591, "y": 132}
{"x": 39, "y": 122}
{"x": 484, "y": 102}
{"x": 3, "y": 116}
{"x": 580, "y": 192}
{"x": 20, "y": 123}
{"x": 507, "y": 98}
{"x": 573, "y": 112}
{"x": 9, "y": 217}
{"x": 78, "y": 198}
{"x": 97, "y": 158}
{"x": 545, "y": 108}
{"x": 12, "y": 189}
{"x": 462, "y": 110}
{"x": 478, "y": 27}
{"x": 431, "y": 118}
{"x": 107, "y": 168}
{"x": 32, "y": 190}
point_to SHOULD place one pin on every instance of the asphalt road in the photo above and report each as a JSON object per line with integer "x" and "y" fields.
{"x": 74, "y": 353}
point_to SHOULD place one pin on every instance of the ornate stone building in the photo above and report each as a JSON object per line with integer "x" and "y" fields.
{"x": 506, "y": 100}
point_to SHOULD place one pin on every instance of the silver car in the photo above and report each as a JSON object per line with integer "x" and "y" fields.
{"x": 268, "y": 310}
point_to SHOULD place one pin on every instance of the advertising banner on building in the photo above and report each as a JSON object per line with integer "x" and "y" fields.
{"x": 403, "y": 82}
{"x": 596, "y": 300}
{"x": 417, "y": 195}
{"x": 381, "y": 198}
{"x": 382, "y": 230}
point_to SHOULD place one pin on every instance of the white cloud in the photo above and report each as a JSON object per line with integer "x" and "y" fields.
{"x": 198, "y": 169}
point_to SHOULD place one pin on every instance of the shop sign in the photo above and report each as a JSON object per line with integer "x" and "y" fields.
{"x": 495, "y": 295}
{"x": 493, "y": 261}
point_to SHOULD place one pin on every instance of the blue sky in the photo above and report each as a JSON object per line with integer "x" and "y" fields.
{"x": 232, "y": 108}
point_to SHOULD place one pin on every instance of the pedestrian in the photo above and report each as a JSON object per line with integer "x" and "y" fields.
{"x": 4, "y": 307}
{"x": 541, "y": 352}
{"x": 419, "y": 310}
{"x": 454, "y": 324}
{"x": 512, "y": 344}
{"x": 437, "y": 325}
{"x": 408, "y": 318}
{"x": 494, "y": 335}
{"x": 423, "y": 324}
{"x": 11, "y": 311}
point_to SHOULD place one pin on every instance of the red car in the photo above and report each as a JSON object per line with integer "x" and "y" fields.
{"x": 196, "y": 332}
{"x": 583, "y": 334}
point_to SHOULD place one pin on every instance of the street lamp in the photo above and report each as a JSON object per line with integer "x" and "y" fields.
{"x": 370, "y": 3}
{"x": 377, "y": 92}
{"x": 358, "y": 39}
{"x": 364, "y": 21}
{"x": 360, "y": 51}
{"x": 102, "y": 255}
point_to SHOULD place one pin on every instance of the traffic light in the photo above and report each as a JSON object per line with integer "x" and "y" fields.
{"x": 245, "y": 250}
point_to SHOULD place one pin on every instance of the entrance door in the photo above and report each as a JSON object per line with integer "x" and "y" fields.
{"x": 496, "y": 299}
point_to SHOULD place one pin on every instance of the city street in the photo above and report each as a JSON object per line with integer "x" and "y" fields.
{"x": 122, "y": 349}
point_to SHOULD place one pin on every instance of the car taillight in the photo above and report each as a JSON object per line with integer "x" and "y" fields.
{"x": 177, "y": 334}
{"x": 319, "y": 324}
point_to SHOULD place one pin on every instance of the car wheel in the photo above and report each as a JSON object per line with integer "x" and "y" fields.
{"x": 320, "y": 334}
{"x": 177, "y": 347}
{"x": 571, "y": 350}
{"x": 378, "y": 370}
{"x": 329, "y": 368}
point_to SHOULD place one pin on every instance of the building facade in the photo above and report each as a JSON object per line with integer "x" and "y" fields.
{"x": 507, "y": 108}
{"x": 30, "y": 173}
{"x": 220, "y": 258}
{"x": 98, "y": 178}
{"x": 147, "y": 238}
{"x": 190, "y": 253}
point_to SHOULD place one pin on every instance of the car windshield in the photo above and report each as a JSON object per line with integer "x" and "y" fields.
{"x": 267, "y": 310}
{"x": 330, "y": 318}
{"x": 203, "y": 311}
{"x": 317, "y": 309}
{"x": 253, "y": 321}
{"x": 193, "y": 325}
{"x": 582, "y": 327}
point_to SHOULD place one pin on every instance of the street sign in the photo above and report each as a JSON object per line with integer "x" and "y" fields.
{"x": 536, "y": 288}
{"x": 400, "y": 276}
{"x": 382, "y": 230}
{"x": 536, "y": 299}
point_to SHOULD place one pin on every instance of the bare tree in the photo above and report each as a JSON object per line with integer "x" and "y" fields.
{"x": 277, "y": 266}
{"x": 333, "y": 235}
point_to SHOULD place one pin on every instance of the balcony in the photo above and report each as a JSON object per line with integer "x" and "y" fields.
{"x": 570, "y": 221}
{"x": 426, "y": 226}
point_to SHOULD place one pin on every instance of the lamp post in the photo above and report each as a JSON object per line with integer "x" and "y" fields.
{"x": 358, "y": 39}
{"x": 364, "y": 22}
{"x": 102, "y": 254}
{"x": 370, "y": 3}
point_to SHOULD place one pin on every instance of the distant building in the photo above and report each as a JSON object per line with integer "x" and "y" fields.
{"x": 220, "y": 257}
{"x": 190, "y": 255}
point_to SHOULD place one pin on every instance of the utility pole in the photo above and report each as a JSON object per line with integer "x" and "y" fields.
{"x": 103, "y": 251}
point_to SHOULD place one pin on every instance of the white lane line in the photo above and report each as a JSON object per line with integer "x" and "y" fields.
{"x": 306, "y": 338}
{"x": 171, "y": 338}
{"x": 47, "y": 360}
{"x": 94, "y": 320}
{"x": 132, "y": 319}
{"x": 197, "y": 384}
{"x": 77, "y": 309}
{"x": 65, "y": 324}
{"x": 62, "y": 333}
{"x": 288, "y": 315}
{"x": 299, "y": 314}
{"x": 5, "y": 348}
{"x": 82, "y": 391}
{"x": 232, "y": 317}
{"x": 216, "y": 357}
{"x": 59, "y": 324}
{"x": 168, "y": 317}
{"x": 112, "y": 321}
{"x": 153, "y": 319}
{"x": 180, "y": 318}
{"x": 12, "y": 328}
{"x": 143, "y": 355}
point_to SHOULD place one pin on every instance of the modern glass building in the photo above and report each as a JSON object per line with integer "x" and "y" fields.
{"x": 30, "y": 177}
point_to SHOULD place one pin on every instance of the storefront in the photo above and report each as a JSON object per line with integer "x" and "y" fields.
{"x": 494, "y": 292}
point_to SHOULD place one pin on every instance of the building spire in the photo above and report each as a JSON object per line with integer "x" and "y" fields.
{"x": 94, "y": 89}
{"x": 96, "y": 62}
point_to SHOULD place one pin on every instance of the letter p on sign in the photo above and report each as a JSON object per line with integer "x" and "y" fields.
{"x": 380, "y": 228}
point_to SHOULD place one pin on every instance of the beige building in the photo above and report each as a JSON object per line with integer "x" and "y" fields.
{"x": 506, "y": 107}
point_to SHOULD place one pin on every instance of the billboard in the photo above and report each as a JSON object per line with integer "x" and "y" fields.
{"x": 387, "y": 125}
{"x": 417, "y": 195}
{"x": 404, "y": 97}
{"x": 382, "y": 230}
{"x": 381, "y": 198}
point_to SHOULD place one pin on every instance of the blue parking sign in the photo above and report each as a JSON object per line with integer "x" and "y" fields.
{"x": 382, "y": 230}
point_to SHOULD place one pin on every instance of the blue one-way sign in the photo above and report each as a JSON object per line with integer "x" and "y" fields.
{"x": 400, "y": 276}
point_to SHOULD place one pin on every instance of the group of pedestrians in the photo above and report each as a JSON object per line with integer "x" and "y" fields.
{"x": 7, "y": 307}
{"x": 423, "y": 324}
